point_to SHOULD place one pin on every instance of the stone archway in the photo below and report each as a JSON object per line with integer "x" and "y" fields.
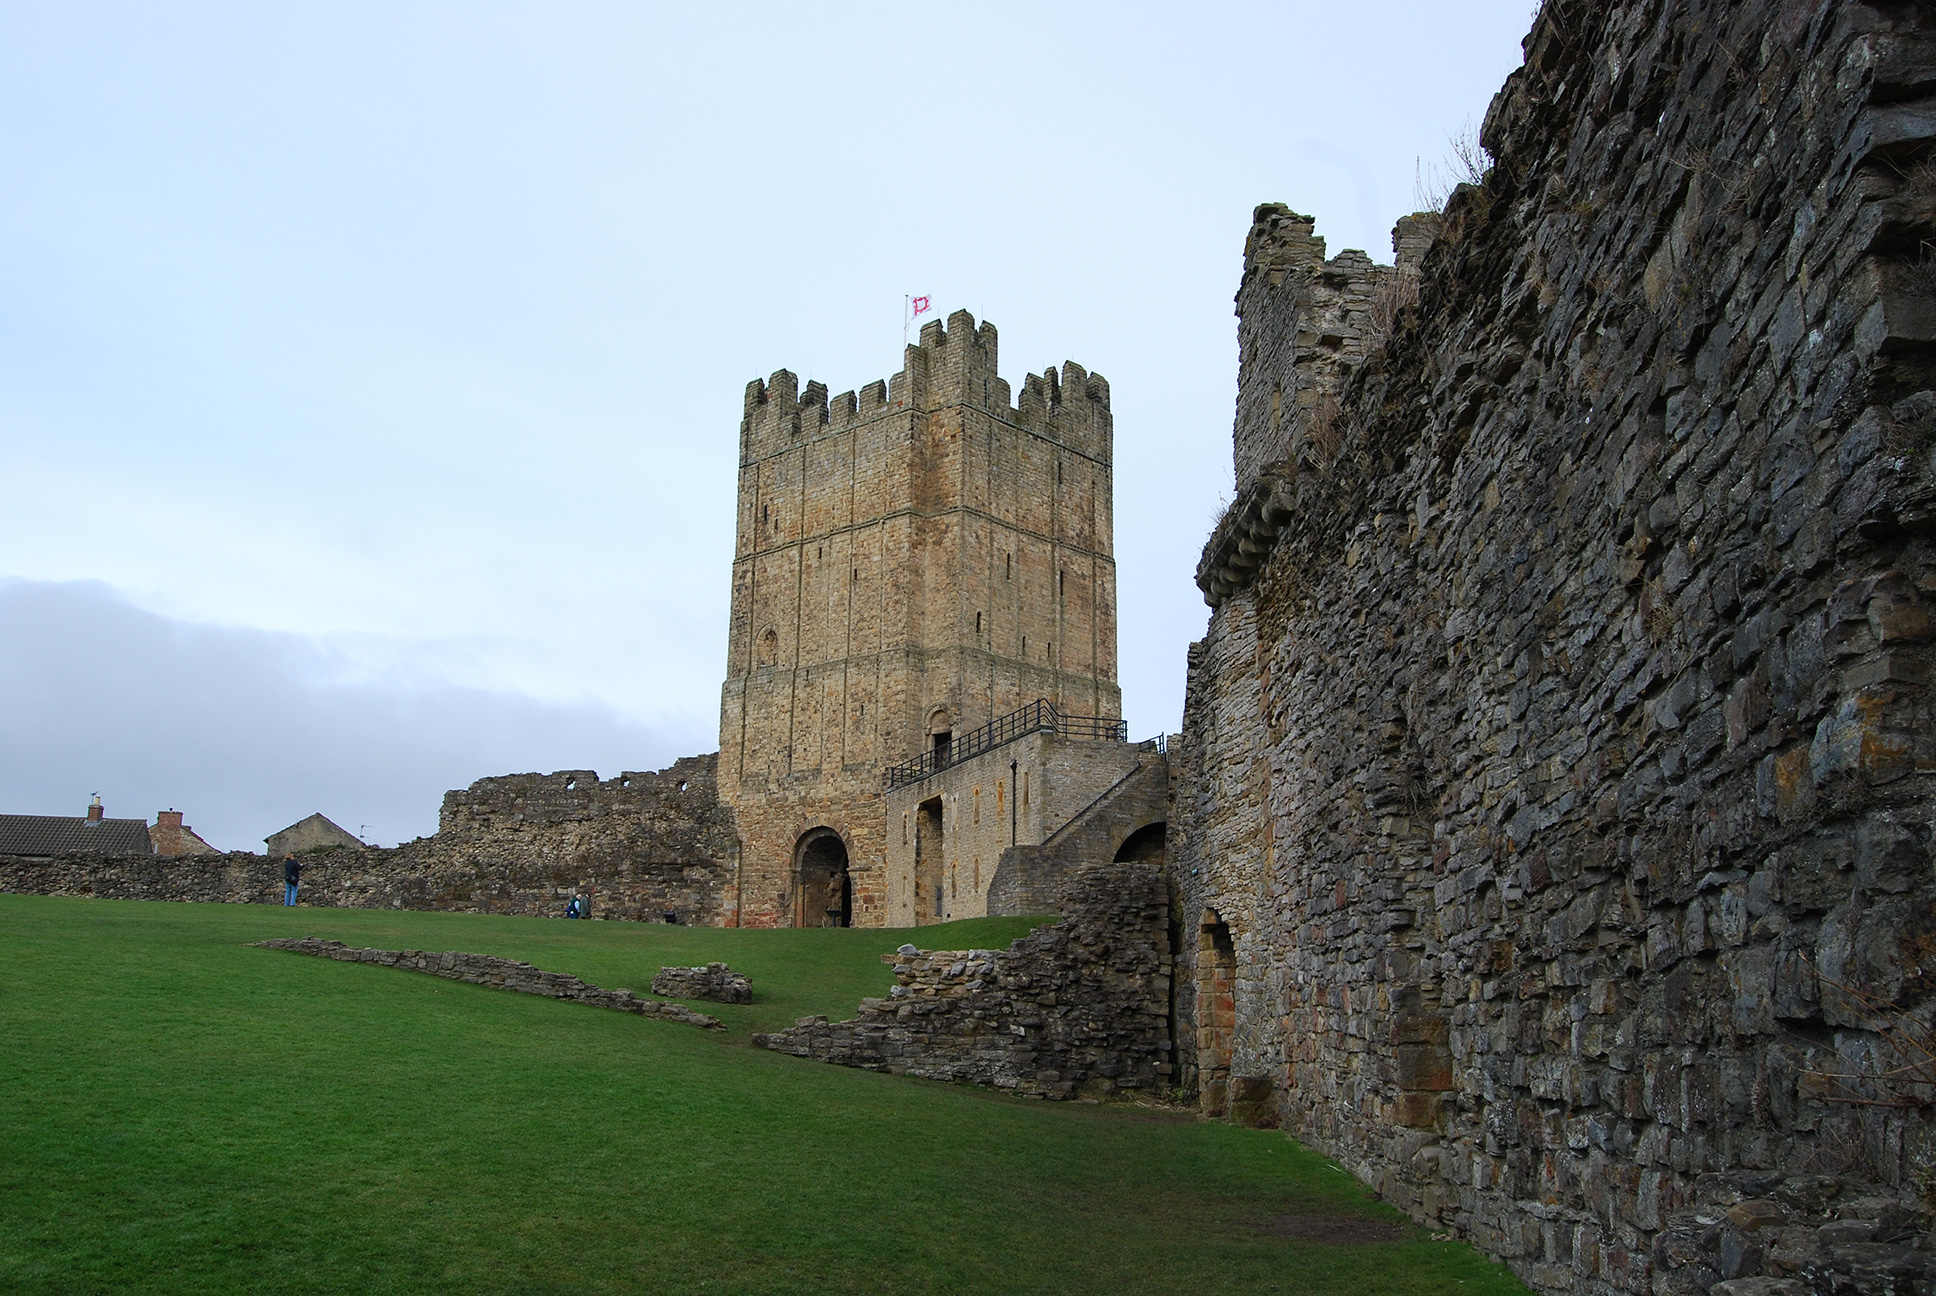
{"x": 1146, "y": 843}
{"x": 825, "y": 890}
{"x": 1216, "y": 1012}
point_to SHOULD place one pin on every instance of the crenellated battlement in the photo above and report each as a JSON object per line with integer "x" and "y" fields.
{"x": 1309, "y": 321}
{"x": 912, "y": 559}
{"x": 952, "y": 363}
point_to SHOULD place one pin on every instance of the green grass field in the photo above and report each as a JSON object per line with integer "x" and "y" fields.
{"x": 180, "y": 1112}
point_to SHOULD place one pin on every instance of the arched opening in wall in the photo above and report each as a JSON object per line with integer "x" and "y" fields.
{"x": 1145, "y": 843}
{"x": 825, "y": 891}
{"x": 930, "y": 864}
{"x": 769, "y": 649}
{"x": 941, "y": 734}
{"x": 1216, "y": 1012}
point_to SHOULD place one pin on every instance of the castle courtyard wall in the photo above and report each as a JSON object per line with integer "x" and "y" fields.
{"x": 636, "y": 847}
{"x": 1552, "y": 837}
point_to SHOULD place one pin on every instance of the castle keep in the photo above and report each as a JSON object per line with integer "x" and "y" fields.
{"x": 912, "y": 562}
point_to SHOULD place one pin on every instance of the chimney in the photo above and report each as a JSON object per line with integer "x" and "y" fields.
{"x": 168, "y": 819}
{"x": 95, "y": 809}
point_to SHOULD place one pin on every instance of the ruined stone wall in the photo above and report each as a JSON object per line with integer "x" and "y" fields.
{"x": 1077, "y": 1008}
{"x": 499, "y": 974}
{"x": 1308, "y": 323}
{"x": 918, "y": 557}
{"x": 1553, "y": 823}
{"x": 636, "y": 846}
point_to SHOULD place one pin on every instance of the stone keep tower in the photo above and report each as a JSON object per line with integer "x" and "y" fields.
{"x": 912, "y": 562}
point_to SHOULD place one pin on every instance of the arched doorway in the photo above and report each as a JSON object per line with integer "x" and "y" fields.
{"x": 1146, "y": 843}
{"x": 1216, "y": 1012}
{"x": 826, "y": 893}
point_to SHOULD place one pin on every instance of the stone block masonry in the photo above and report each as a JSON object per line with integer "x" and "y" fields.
{"x": 501, "y": 973}
{"x": 636, "y": 846}
{"x": 714, "y": 981}
{"x": 911, "y": 562}
{"x": 1079, "y": 1008}
{"x": 950, "y": 834}
{"x": 1553, "y": 824}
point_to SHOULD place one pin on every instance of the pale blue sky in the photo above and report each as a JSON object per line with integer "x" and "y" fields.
{"x": 391, "y": 356}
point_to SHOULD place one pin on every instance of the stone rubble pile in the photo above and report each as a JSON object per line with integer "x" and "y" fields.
{"x": 505, "y": 974}
{"x": 714, "y": 981}
{"x": 1078, "y": 1008}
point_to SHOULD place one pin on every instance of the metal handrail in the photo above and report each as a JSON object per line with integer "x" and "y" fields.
{"x": 1037, "y": 716}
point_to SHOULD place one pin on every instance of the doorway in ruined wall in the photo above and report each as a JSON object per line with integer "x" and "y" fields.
{"x": 1145, "y": 843}
{"x": 825, "y": 890}
{"x": 930, "y": 901}
{"x": 1216, "y": 1012}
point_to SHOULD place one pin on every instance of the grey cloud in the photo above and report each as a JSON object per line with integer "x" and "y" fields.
{"x": 247, "y": 731}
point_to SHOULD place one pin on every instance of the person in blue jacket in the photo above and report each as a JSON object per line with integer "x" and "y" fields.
{"x": 291, "y": 875}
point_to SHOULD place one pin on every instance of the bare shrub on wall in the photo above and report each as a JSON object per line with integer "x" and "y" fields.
{"x": 1467, "y": 163}
{"x": 1322, "y": 430}
{"x": 1395, "y": 294}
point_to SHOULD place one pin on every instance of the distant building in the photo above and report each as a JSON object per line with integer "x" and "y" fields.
{"x": 309, "y": 834}
{"x": 171, "y": 837}
{"x": 45, "y": 836}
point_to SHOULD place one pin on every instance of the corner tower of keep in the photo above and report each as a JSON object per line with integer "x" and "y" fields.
{"x": 912, "y": 560}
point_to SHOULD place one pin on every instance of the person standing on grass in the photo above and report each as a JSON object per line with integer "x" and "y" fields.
{"x": 291, "y": 875}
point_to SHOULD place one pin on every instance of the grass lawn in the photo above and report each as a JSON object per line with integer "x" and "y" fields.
{"x": 180, "y": 1112}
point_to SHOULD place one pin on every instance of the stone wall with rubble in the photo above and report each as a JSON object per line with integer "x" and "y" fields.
{"x": 637, "y": 846}
{"x": 1078, "y": 1008}
{"x": 1552, "y": 826}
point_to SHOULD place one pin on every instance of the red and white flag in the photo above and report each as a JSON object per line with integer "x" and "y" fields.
{"x": 919, "y": 306}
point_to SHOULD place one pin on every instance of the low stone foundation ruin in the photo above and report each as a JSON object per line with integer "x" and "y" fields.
{"x": 1077, "y": 1008}
{"x": 714, "y": 982}
{"x": 501, "y": 973}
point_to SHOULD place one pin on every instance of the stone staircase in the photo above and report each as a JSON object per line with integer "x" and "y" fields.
{"x": 1031, "y": 879}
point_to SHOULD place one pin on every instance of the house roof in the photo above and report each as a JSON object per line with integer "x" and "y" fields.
{"x": 306, "y": 834}
{"x": 72, "y": 834}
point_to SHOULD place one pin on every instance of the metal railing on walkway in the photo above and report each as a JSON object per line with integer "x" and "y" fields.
{"x": 1037, "y": 716}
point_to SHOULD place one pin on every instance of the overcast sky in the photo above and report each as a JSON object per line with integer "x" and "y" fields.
{"x": 370, "y": 374}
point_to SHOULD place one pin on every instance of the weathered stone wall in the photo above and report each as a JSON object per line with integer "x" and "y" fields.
{"x": 714, "y": 981}
{"x": 1310, "y": 322}
{"x": 636, "y": 846}
{"x": 1077, "y": 1008}
{"x": 498, "y": 973}
{"x": 917, "y": 558}
{"x": 1553, "y": 821}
